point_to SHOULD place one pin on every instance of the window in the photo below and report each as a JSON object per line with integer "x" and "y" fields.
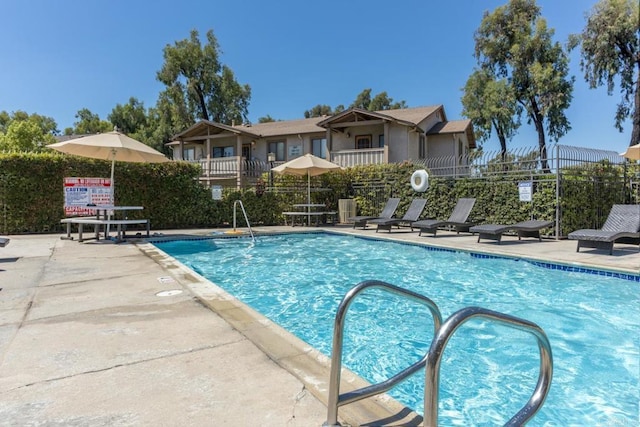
{"x": 422, "y": 147}
{"x": 223, "y": 152}
{"x": 319, "y": 147}
{"x": 363, "y": 141}
{"x": 277, "y": 147}
{"x": 189, "y": 154}
{"x": 381, "y": 141}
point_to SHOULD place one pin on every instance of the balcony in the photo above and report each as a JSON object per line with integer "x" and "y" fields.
{"x": 368, "y": 156}
{"x": 232, "y": 167}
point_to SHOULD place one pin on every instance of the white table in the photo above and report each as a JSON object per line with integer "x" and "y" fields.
{"x": 309, "y": 211}
{"x": 107, "y": 210}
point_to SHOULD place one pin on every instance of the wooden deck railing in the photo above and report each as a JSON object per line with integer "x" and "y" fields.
{"x": 348, "y": 158}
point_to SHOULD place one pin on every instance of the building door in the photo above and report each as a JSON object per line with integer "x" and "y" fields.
{"x": 246, "y": 151}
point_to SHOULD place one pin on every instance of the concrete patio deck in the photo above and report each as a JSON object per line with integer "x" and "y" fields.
{"x": 102, "y": 334}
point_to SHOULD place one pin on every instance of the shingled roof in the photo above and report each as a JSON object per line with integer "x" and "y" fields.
{"x": 455, "y": 126}
{"x": 407, "y": 116}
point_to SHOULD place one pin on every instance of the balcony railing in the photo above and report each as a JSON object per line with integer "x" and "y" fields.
{"x": 227, "y": 167}
{"x": 348, "y": 158}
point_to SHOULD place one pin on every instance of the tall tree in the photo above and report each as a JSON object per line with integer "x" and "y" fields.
{"x": 88, "y": 123}
{"x": 266, "y": 119}
{"x": 130, "y": 117}
{"x": 383, "y": 102}
{"x": 20, "y": 131}
{"x": 513, "y": 42}
{"x": 491, "y": 105}
{"x": 363, "y": 100}
{"x": 318, "y": 111}
{"x": 611, "y": 48}
{"x": 197, "y": 81}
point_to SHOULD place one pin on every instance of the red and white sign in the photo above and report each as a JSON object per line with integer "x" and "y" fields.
{"x": 80, "y": 192}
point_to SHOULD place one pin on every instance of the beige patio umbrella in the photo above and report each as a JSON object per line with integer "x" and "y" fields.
{"x": 308, "y": 165}
{"x": 632, "y": 153}
{"x": 114, "y": 146}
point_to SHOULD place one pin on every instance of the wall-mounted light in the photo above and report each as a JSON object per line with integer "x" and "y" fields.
{"x": 253, "y": 143}
{"x": 348, "y": 135}
{"x": 271, "y": 157}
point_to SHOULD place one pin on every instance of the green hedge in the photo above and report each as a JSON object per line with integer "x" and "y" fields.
{"x": 32, "y": 198}
{"x": 31, "y": 194}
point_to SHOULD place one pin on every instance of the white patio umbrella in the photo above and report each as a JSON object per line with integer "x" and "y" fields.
{"x": 308, "y": 165}
{"x": 632, "y": 153}
{"x": 110, "y": 146}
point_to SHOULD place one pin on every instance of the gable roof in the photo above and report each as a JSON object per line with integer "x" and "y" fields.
{"x": 407, "y": 116}
{"x": 410, "y": 117}
{"x": 285, "y": 127}
{"x": 453, "y": 127}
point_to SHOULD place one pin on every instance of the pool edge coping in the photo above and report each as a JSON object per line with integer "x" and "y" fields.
{"x": 297, "y": 357}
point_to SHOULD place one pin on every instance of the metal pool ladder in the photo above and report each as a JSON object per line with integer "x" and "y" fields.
{"x": 443, "y": 332}
{"x": 246, "y": 218}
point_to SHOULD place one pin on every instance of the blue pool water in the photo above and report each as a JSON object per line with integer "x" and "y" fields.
{"x": 488, "y": 371}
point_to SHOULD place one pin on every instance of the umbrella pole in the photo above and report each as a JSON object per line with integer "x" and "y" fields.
{"x": 308, "y": 200}
{"x": 113, "y": 195}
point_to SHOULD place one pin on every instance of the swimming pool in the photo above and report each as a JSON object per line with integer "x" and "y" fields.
{"x": 592, "y": 321}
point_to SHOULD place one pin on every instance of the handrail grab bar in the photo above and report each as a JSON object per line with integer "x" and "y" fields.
{"x": 245, "y": 218}
{"x": 336, "y": 400}
{"x": 432, "y": 372}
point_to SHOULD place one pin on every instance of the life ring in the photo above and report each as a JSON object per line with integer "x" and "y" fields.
{"x": 420, "y": 180}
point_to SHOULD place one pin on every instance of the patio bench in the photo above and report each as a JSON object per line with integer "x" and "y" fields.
{"x": 119, "y": 223}
{"x": 328, "y": 217}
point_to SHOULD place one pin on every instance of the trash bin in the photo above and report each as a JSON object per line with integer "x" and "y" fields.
{"x": 346, "y": 209}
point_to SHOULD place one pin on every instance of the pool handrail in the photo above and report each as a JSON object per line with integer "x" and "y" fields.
{"x": 432, "y": 371}
{"x": 335, "y": 399}
{"x": 431, "y": 360}
{"x": 246, "y": 218}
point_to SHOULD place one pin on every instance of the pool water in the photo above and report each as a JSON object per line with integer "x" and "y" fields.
{"x": 488, "y": 371}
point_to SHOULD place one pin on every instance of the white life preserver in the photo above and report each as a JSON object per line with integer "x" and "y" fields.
{"x": 420, "y": 180}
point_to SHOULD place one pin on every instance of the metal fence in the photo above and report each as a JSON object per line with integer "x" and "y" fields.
{"x": 583, "y": 179}
{"x": 521, "y": 160}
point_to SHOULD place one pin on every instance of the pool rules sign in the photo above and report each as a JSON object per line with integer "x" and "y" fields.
{"x": 80, "y": 192}
{"x": 525, "y": 189}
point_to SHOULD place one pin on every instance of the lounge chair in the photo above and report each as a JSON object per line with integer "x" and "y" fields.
{"x": 525, "y": 229}
{"x": 388, "y": 212}
{"x": 412, "y": 215}
{"x": 4, "y": 241}
{"x": 458, "y": 219}
{"x": 623, "y": 222}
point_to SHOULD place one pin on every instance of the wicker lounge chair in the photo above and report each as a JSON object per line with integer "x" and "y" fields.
{"x": 623, "y": 222}
{"x": 4, "y": 241}
{"x": 412, "y": 215}
{"x": 458, "y": 219}
{"x": 387, "y": 212}
{"x": 525, "y": 229}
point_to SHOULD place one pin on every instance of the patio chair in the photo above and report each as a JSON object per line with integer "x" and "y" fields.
{"x": 457, "y": 220}
{"x": 388, "y": 212}
{"x": 525, "y": 229}
{"x": 4, "y": 241}
{"x": 623, "y": 222}
{"x": 412, "y": 215}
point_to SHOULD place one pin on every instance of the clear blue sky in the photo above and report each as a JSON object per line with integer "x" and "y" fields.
{"x": 61, "y": 56}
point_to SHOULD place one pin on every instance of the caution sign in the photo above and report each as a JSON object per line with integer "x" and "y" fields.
{"x": 80, "y": 192}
